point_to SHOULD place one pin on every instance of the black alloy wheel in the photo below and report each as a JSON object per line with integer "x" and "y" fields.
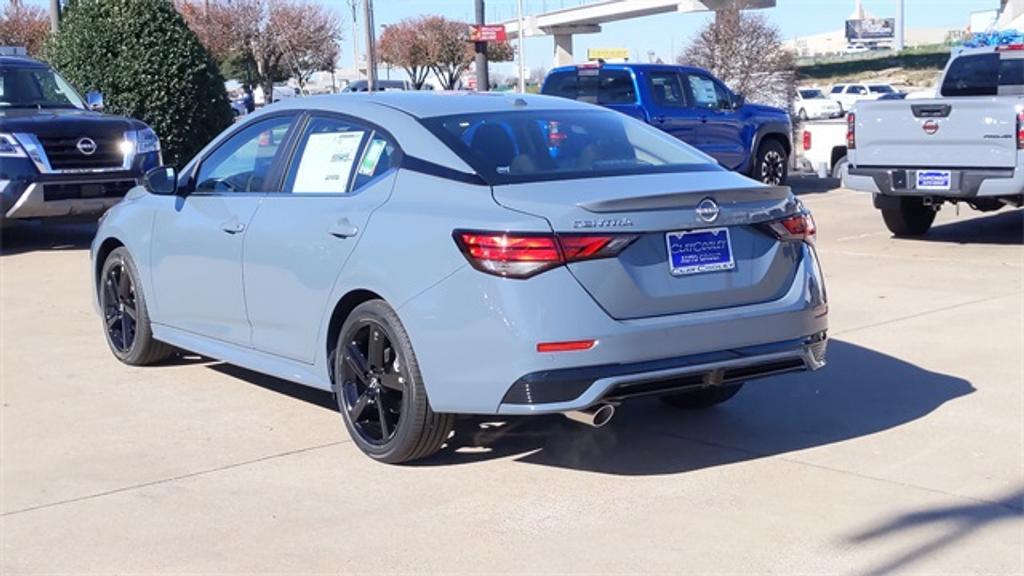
{"x": 771, "y": 166}
{"x": 373, "y": 383}
{"x": 120, "y": 307}
{"x": 380, "y": 391}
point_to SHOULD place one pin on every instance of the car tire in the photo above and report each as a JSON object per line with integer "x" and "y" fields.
{"x": 125, "y": 314}
{"x": 771, "y": 165}
{"x": 703, "y": 397}
{"x": 380, "y": 391}
{"x": 910, "y": 218}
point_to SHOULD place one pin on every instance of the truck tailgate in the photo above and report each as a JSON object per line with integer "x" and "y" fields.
{"x": 937, "y": 133}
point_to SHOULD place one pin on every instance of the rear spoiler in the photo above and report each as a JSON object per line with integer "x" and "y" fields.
{"x": 675, "y": 200}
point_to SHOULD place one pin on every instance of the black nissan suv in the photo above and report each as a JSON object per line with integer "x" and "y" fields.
{"x": 60, "y": 158}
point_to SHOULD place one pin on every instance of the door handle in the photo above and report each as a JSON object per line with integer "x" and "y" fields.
{"x": 233, "y": 226}
{"x": 343, "y": 229}
{"x": 659, "y": 119}
{"x": 703, "y": 119}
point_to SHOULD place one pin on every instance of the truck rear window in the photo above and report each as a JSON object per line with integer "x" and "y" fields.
{"x": 593, "y": 85}
{"x": 983, "y": 75}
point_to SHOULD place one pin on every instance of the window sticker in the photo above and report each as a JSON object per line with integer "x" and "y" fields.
{"x": 372, "y": 157}
{"x": 327, "y": 162}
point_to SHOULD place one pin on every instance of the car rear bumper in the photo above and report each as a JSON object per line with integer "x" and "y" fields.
{"x": 573, "y": 388}
{"x": 476, "y": 336}
{"x": 964, "y": 183}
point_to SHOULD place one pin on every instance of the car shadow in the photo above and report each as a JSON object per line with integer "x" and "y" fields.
{"x": 803, "y": 184}
{"x": 24, "y": 237}
{"x": 1005, "y": 227}
{"x": 860, "y": 392}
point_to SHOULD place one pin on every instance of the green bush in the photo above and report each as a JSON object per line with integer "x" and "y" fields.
{"x": 148, "y": 65}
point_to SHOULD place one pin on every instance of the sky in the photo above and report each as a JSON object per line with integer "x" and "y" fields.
{"x": 665, "y": 34}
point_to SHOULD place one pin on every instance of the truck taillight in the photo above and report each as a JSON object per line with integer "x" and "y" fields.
{"x": 851, "y": 131}
{"x": 1020, "y": 129}
{"x": 807, "y": 140}
{"x": 521, "y": 255}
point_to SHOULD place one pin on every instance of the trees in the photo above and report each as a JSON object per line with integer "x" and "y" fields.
{"x": 22, "y": 25}
{"x": 434, "y": 44}
{"x": 451, "y": 52}
{"x": 404, "y": 45}
{"x": 268, "y": 39}
{"x": 745, "y": 51}
{"x": 148, "y": 64}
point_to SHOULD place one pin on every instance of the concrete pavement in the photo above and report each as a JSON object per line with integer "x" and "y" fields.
{"x": 903, "y": 455}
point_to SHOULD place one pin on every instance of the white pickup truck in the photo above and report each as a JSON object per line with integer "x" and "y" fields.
{"x": 967, "y": 146}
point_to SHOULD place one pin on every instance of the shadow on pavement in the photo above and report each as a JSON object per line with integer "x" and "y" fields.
{"x": 1004, "y": 227}
{"x": 959, "y": 521}
{"x": 35, "y": 236}
{"x": 299, "y": 392}
{"x": 810, "y": 184}
{"x": 860, "y": 392}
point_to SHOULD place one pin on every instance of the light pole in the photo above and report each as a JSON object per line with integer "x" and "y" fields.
{"x": 354, "y": 4}
{"x": 371, "y": 47}
{"x": 54, "y": 15}
{"x": 483, "y": 82}
{"x": 519, "y": 46}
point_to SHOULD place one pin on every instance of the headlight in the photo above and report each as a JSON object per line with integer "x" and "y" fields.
{"x": 146, "y": 141}
{"x": 9, "y": 147}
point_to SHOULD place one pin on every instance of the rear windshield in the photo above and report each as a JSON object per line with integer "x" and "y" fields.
{"x": 528, "y": 146}
{"x": 984, "y": 75}
{"x": 593, "y": 85}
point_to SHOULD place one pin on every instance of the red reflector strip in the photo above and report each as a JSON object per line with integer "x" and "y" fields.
{"x": 570, "y": 346}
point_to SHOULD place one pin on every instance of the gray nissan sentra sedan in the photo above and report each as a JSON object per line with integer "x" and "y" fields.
{"x": 427, "y": 255}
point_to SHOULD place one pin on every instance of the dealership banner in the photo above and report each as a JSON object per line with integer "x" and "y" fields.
{"x": 871, "y": 29}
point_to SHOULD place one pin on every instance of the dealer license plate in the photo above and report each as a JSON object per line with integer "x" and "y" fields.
{"x": 933, "y": 179}
{"x": 699, "y": 251}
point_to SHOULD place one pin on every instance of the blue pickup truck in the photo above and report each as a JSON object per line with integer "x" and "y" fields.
{"x": 690, "y": 104}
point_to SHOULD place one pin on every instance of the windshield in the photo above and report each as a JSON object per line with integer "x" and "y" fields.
{"x": 881, "y": 89}
{"x": 525, "y": 146}
{"x": 811, "y": 94}
{"x": 36, "y": 87}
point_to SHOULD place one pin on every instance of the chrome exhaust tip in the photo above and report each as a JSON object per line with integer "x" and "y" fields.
{"x": 596, "y": 416}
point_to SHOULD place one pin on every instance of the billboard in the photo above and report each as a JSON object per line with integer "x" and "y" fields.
{"x": 871, "y": 29}
{"x": 484, "y": 33}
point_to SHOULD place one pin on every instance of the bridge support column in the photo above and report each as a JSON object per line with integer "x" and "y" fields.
{"x": 563, "y": 49}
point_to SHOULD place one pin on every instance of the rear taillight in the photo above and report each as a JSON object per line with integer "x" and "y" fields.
{"x": 521, "y": 255}
{"x": 799, "y": 226}
{"x": 1020, "y": 129}
{"x": 807, "y": 140}
{"x": 851, "y": 131}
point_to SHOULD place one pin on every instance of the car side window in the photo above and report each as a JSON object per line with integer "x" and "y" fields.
{"x": 242, "y": 163}
{"x": 705, "y": 92}
{"x": 326, "y": 157}
{"x": 856, "y": 90}
{"x": 666, "y": 89}
{"x": 837, "y": 89}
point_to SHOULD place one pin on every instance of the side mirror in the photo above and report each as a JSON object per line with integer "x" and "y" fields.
{"x": 738, "y": 101}
{"x": 94, "y": 100}
{"x": 162, "y": 180}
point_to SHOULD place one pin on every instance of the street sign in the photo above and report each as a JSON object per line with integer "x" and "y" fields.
{"x": 607, "y": 53}
{"x": 487, "y": 33}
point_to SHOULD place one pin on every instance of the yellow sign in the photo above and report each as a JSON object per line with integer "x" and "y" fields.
{"x": 607, "y": 53}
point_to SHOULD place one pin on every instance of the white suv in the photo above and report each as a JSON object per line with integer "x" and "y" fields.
{"x": 848, "y": 94}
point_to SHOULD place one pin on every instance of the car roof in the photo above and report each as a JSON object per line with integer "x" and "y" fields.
{"x": 427, "y": 104}
{"x": 21, "y": 62}
{"x": 630, "y": 66}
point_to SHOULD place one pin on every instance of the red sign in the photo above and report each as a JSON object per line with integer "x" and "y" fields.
{"x": 487, "y": 33}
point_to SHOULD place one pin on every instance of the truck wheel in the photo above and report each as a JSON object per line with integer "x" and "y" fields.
{"x": 125, "y": 316}
{"x": 771, "y": 165}
{"x": 839, "y": 168}
{"x": 380, "y": 391}
{"x": 702, "y": 398}
{"x": 910, "y": 218}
